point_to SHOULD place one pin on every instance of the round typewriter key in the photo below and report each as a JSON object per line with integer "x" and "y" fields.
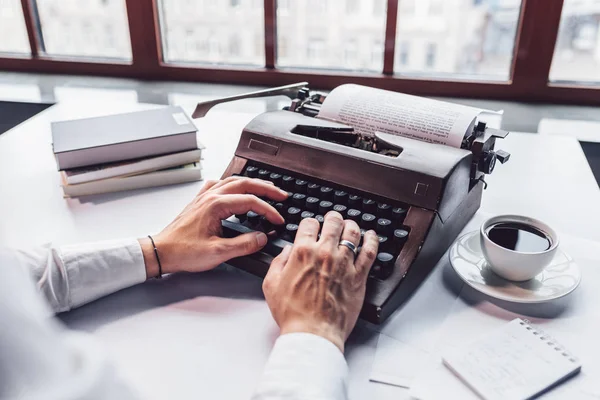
{"x": 293, "y": 214}
{"x": 275, "y": 178}
{"x": 354, "y": 201}
{"x": 298, "y": 199}
{"x": 384, "y": 210}
{"x": 386, "y": 260}
{"x": 252, "y": 217}
{"x": 264, "y": 174}
{"x": 313, "y": 189}
{"x": 252, "y": 172}
{"x": 375, "y": 271}
{"x": 287, "y": 182}
{"x": 354, "y": 215}
{"x": 325, "y": 206}
{"x": 398, "y": 214}
{"x": 340, "y": 197}
{"x": 290, "y": 194}
{"x": 320, "y": 218}
{"x": 369, "y": 206}
{"x": 368, "y": 221}
{"x": 307, "y": 214}
{"x": 326, "y": 193}
{"x": 312, "y": 204}
{"x": 384, "y": 226}
{"x": 290, "y": 230}
{"x": 300, "y": 186}
{"x": 341, "y": 209}
{"x": 383, "y": 242}
{"x": 400, "y": 236}
{"x": 279, "y": 207}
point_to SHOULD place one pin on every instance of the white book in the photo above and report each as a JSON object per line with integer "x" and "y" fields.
{"x": 126, "y": 168}
{"x": 113, "y": 138}
{"x": 184, "y": 173}
{"x": 517, "y": 362}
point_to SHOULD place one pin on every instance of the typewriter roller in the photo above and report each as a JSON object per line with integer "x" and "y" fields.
{"x": 417, "y": 196}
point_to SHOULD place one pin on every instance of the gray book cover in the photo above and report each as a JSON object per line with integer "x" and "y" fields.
{"x": 121, "y": 137}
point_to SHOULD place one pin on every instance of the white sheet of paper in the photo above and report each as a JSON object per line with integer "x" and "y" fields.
{"x": 574, "y": 325}
{"x": 371, "y": 110}
{"x": 395, "y": 362}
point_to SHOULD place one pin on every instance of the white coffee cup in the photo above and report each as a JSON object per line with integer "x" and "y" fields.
{"x": 517, "y": 265}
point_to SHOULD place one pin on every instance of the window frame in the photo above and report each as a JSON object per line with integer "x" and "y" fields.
{"x": 529, "y": 82}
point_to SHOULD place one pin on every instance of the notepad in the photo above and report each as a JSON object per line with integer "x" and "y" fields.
{"x": 514, "y": 363}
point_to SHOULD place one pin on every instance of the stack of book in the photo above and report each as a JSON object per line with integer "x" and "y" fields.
{"x": 126, "y": 151}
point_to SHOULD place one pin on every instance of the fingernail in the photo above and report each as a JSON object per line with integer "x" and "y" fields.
{"x": 261, "y": 239}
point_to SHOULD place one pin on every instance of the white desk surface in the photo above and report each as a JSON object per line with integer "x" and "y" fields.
{"x": 210, "y": 334}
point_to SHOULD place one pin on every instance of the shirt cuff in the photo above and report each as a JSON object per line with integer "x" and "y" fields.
{"x": 304, "y": 366}
{"x": 94, "y": 270}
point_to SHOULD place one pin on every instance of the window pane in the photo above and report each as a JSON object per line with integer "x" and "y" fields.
{"x": 333, "y": 34}
{"x": 213, "y": 31}
{"x": 577, "y": 52}
{"x": 94, "y": 28}
{"x": 13, "y": 33}
{"x": 459, "y": 39}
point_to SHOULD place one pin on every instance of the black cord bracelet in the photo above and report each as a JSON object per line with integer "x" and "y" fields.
{"x": 157, "y": 258}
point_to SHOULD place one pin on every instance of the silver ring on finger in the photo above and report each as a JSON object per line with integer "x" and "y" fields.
{"x": 349, "y": 245}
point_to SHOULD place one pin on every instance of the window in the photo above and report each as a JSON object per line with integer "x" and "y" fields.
{"x": 352, "y": 7}
{"x": 210, "y": 24}
{"x": 403, "y": 53}
{"x": 431, "y": 54}
{"x": 468, "y": 40}
{"x": 577, "y": 52}
{"x": 70, "y": 29}
{"x": 317, "y": 36}
{"x": 13, "y": 33}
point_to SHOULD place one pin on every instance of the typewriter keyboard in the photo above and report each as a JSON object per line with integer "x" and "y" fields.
{"x": 309, "y": 198}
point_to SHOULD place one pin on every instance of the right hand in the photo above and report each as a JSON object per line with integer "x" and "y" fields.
{"x": 317, "y": 286}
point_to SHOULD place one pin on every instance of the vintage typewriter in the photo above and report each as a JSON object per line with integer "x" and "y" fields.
{"x": 416, "y": 195}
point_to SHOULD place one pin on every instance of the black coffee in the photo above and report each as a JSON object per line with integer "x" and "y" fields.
{"x": 519, "y": 237}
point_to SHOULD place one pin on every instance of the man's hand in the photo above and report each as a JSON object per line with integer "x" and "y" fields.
{"x": 193, "y": 242}
{"x": 317, "y": 286}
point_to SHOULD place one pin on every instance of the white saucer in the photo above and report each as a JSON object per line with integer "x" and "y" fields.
{"x": 560, "y": 278}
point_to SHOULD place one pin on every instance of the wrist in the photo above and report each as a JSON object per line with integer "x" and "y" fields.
{"x": 150, "y": 260}
{"x": 322, "y": 329}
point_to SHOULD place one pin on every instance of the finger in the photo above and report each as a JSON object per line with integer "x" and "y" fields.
{"x": 332, "y": 228}
{"x": 351, "y": 233}
{"x": 256, "y": 187}
{"x": 277, "y": 266}
{"x": 230, "y": 179}
{"x": 242, "y": 245}
{"x": 207, "y": 185}
{"x": 308, "y": 230}
{"x": 367, "y": 254}
{"x": 230, "y": 204}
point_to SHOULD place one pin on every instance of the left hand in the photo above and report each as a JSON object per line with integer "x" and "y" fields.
{"x": 193, "y": 242}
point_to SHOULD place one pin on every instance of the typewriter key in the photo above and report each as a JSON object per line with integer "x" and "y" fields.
{"x": 369, "y": 206}
{"x": 287, "y": 182}
{"x": 326, "y": 193}
{"x": 293, "y": 215}
{"x": 384, "y": 210}
{"x": 298, "y": 199}
{"x": 300, "y": 186}
{"x": 307, "y": 214}
{"x": 340, "y": 197}
{"x": 252, "y": 172}
{"x": 398, "y": 215}
{"x": 312, "y": 204}
{"x": 320, "y": 218}
{"x": 313, "y": 189}
{"x": 354, "y": 201}
{"x": 275, "y": 178}
{"x": 325, "y": 206}
{"x": 400, "y": 236}
{"x": 354, "y": 215}
{"x": 341, "y": 209}
{"x": 368, "y": 221}
{"x": 384, "y": 226}
{"x": 253, "y": 218}
{"x": 290, "y": 231}
{"x": 264, "y": 174}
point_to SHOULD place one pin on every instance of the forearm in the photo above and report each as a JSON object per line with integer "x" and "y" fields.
{"x": 304, "y": 366}
{"x": 70, "y": 276}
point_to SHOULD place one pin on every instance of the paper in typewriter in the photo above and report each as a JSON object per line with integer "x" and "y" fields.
{"x": 371, "y": 110}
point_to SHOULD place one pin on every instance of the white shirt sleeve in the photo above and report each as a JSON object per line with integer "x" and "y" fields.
{"x": 70, "y": 276}
{"x": 39, "y": 358}
{"x": 304, "y": 366}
